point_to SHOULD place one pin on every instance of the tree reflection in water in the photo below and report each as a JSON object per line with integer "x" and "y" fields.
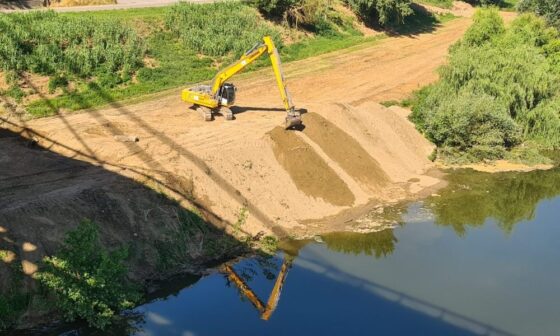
{"x": 473, "y": 197}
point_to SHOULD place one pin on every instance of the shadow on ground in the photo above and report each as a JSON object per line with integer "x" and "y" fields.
{"x": 43, "y": 195}
{"x": 421, "y": 21}
{"x": 21, "y": 4}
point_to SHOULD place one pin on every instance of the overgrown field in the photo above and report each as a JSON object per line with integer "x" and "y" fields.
{"x": 502, "y": 4}
{"x": 53, "y": 62}
{"x": 499, "y": 94}
{"x": 68, "y": 47}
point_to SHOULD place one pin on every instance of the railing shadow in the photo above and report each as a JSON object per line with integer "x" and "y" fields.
{"x": 427, "y": 308}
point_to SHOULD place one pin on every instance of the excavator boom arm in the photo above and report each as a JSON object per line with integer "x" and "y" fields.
{"x": 247, "y": 58}
{"x": 278, "y": 74}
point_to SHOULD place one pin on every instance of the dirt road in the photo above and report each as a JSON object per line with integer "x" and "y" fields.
{"x": 353, "y": 151}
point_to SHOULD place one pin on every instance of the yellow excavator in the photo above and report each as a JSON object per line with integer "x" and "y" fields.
{"x": 219, "y": 96}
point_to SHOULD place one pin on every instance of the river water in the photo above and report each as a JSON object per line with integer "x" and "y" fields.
{"x": 480, "y": 258}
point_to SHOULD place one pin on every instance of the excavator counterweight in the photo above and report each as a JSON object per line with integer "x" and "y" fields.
{"x": 219, "y": 95}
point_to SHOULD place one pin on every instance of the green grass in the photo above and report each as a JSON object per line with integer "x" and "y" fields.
{"x": 177, "y": 67}
{"x": 80, "y": 48}
{"x": 179, "y": 63}
{"x": 322, "y": 45}
{"x": 123, "y": 14}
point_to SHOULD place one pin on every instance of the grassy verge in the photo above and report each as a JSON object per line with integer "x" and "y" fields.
{"x": 176, "y": 65}
{"x": 177, "y": 59}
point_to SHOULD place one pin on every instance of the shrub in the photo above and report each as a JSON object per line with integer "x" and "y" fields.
{"x": 218, "y": 29}
{"x": 478, "y": 125}
{"x": 542, "y": 123}
{"x": 276, "y": 8}
{"x": 87, "y": 281}
{"x": 319, "y": 16}
{"x": 46, "y": 43}
{"x": 381, "y": 11}
{"x": 15, "y": 92}
{"x": 497, "y": 90}
{"x": 487, "y": 24}
{"x": 549, "y": 9}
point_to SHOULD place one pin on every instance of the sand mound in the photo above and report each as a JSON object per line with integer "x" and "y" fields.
{"x": 345, "y": 150}
{"x": 347, "y": 156}
{"x": 308, "y": 170}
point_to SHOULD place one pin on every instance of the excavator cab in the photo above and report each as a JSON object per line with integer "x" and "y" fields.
{"x": 219, "y": 95}
{"x": 226, "y": 95}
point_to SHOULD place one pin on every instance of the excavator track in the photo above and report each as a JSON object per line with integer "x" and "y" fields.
{"x": 205, "y": 112}
{"x": 226, "y": 112}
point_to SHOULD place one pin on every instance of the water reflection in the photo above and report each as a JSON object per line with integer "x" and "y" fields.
{"x": 378, "y": 244}
{"x": 472, "y": 198}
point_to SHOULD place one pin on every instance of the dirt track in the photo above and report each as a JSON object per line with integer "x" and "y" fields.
{"x": 225, "y": 166}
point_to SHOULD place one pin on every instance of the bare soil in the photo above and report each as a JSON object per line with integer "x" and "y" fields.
{"x": 500, "y": 166}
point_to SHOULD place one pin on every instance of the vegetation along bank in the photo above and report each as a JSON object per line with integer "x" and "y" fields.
{"x": 498, "y": 97}
{"x": 52, "y": 63}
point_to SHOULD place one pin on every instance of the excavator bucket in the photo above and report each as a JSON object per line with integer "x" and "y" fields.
{"x": 293, "y": 119}
{"x": 293, "y": 122}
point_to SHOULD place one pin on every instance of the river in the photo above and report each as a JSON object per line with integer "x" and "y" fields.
{"x": 479, "y": 258}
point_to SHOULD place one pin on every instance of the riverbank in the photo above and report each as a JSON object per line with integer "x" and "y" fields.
{"x": 234, "y": 180}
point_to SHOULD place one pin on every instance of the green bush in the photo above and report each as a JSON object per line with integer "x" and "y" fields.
{"x": 486, "y": 25}
{"x": 497, "y": 90}
{"x": 318, "y": 16}
{"x": 542, "y": 123}
{"x": 218, "y": 29}
{"x": 12, "y": 305}
{"x": 381, "y": 11}
{"x": 50, "y": 44}
{"x": 276, "y": 8}
{"x": 87, "y": 281}
{"x": 472, "y": 121}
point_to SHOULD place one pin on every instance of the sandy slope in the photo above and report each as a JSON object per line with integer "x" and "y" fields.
{"x": 225, "y": 166}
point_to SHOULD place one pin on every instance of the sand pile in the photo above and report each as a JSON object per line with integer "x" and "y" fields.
{"x": 346, "y": 156}
{"x": 309, "y": 172}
